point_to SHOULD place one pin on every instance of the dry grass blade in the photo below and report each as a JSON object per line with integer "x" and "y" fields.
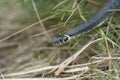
{"x": 107, "y": 58}
{"x": 113, "y": 42}
{"x": 92, "y": 1}
{"x": 73, "y": 57}
{"x": 30, "y": 26}
{"x": 85, "y": 68}
{"x": 80, "y": 13}
{"x": 40, "y": 22}
{"x": 34, "y": 79}
{"x": 66, "y": 78}
{"x": 30, "y": 71}
{"x": 87, "y": 64}
{"x": 3, "y": 77}
{"x": 52, "y": 67}
{"x": 18, "y": 32}
{"x": 44, "y": 32}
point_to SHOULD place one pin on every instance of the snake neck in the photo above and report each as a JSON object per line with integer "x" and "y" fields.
{"x": 99, "y": 18}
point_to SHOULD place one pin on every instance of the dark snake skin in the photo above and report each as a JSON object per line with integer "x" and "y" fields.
{"x": 101, "y": 16}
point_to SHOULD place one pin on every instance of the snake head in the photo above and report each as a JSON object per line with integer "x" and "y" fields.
{"x": 60, "y": 39}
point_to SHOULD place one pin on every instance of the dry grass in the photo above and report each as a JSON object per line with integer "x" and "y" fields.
{"x": 26, "y": 51}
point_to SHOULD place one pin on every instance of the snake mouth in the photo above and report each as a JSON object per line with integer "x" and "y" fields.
{"x": 60, "y": 39}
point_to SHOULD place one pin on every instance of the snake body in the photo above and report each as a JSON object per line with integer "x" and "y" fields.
{"x": 95, "y": 21}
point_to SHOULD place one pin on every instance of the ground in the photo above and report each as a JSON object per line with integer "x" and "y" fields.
{"x": 26, "y": 28}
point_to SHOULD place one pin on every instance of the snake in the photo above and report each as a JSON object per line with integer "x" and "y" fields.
{"x": 98, "y": 19}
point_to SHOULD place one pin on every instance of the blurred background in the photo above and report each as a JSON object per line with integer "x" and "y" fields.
{"x": 26, "y": 27}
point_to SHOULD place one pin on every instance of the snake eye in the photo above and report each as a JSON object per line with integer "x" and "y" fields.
{"x": 60, "y": 39}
